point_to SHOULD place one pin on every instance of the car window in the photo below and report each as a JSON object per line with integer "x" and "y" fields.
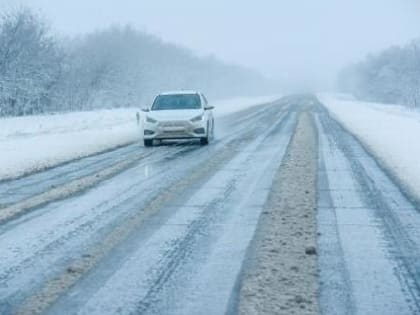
{"x": 181, "y": 101}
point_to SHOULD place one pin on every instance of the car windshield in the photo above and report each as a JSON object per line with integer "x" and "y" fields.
{"x": 181, "y": 101}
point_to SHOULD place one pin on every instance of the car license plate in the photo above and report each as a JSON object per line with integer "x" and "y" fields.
{"x": 173, "y": 129}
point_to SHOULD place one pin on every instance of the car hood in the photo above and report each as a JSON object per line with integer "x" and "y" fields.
{"x": 184, "y": 114}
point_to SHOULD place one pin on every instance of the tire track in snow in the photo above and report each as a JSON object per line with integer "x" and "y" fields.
{"x": 377, "y": 228}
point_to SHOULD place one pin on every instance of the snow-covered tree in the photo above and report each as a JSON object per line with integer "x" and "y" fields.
{"x": 29, "y": 64}
{"x": 392, "y": 76}
{"x": 114, "y": 67}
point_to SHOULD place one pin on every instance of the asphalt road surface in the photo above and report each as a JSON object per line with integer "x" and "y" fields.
{"x": 171, "y": 229}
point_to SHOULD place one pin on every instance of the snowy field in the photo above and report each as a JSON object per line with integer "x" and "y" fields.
{"x": 32, "y": 143}
{"x": 390, "y": 131}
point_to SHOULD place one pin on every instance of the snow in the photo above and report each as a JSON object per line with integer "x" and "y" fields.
{"x": 36, "y": 142}
{"x": 32, "y": 143}
{"x": 391, "y": 132}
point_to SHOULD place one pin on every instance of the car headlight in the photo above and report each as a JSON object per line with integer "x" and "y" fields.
{"x": 150, "y": 120}
{"x": 197, "y": 118}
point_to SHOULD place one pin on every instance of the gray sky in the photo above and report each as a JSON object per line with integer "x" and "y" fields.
{"x": 304, "y": 39}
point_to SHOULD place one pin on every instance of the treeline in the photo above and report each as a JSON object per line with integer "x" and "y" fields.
{"x": 392, "y": 76}
{"x": 115, "y": 67}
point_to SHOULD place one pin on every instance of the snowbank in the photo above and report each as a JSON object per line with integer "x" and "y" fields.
{"x": 390, "y": 131}
{"x": 33, "y": 143}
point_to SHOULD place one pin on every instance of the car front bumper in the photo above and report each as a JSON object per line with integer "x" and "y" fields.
{"x": 174, "y": 130}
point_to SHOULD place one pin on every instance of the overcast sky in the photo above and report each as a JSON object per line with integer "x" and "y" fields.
{"x": 307, "y": 39}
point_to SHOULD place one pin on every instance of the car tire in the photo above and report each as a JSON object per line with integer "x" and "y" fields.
{"x": 148, "y": 142}
{"x": 204, "y": 141}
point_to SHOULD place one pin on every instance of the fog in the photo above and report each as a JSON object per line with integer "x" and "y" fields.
{"x": 302, "y": 42}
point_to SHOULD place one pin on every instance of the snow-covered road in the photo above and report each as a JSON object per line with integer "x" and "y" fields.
{"x": 171, "y": 229}
{"x": 178, "y": 215}
{"x": 369, "y": 231}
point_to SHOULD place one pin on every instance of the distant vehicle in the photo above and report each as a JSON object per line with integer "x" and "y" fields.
{"x": 179, "y": 115}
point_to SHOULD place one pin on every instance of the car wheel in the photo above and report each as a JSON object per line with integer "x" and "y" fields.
{"x": 204, "y": 141}
{"x": 148, "y": 142}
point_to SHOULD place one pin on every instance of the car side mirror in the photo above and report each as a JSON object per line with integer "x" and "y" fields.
{"x": 208, "y": 107}
{"x": 145, "y": 109}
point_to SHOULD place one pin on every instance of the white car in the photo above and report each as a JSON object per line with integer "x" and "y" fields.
{"x": 179, "y": 115}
